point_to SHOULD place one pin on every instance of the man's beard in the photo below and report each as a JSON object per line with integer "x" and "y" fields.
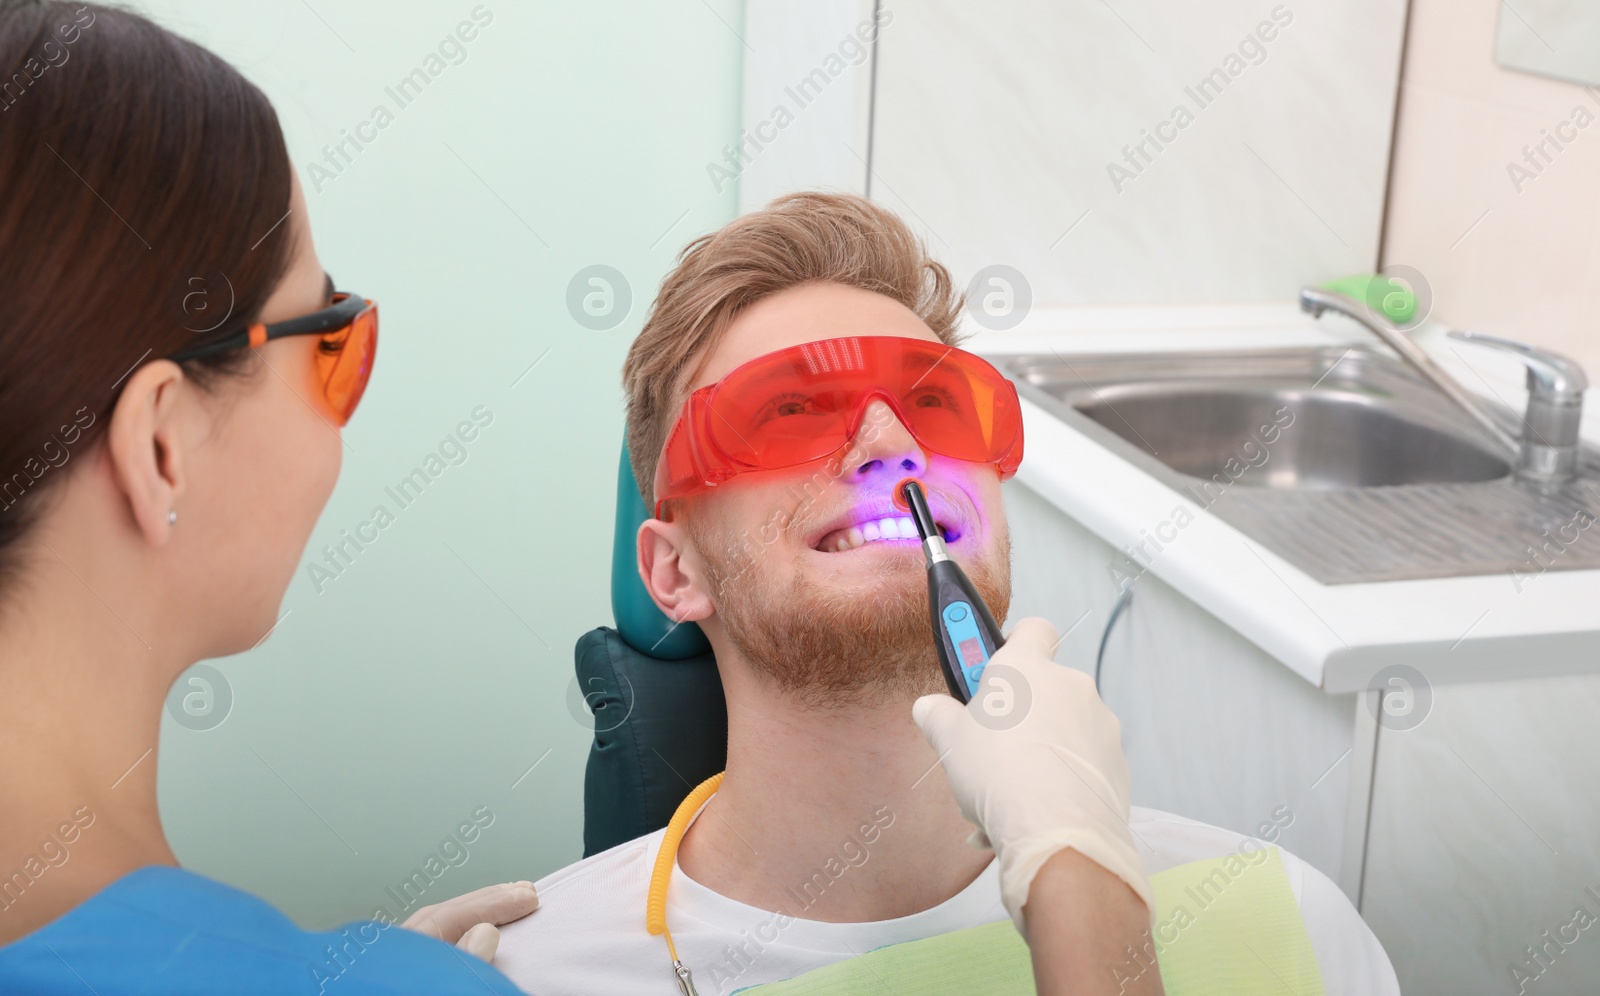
{"x": 822, "y": 646}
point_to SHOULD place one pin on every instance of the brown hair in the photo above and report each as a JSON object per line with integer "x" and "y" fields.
{"x": 797, "y": 239}
{"x": 138, "y": 170}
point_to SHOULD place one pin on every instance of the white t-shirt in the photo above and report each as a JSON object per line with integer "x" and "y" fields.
{"x": 589, "y": 933}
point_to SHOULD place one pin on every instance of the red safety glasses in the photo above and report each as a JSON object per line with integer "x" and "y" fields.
{"x": 807, "y": 402}
{"x": 349, "y": 331}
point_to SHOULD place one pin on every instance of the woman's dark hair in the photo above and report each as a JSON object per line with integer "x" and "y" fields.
{"x": 143, "y": 190}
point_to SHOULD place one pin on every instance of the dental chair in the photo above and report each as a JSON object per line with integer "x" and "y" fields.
{"x": 660, "y": 719}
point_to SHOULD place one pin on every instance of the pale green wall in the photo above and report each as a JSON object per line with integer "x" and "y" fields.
{"x": 413, "y": 689}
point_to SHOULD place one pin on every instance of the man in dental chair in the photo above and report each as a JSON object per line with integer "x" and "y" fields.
{"x": 824, "y": 333}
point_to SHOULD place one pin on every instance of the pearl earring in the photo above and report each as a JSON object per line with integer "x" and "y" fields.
{"x": 172, "y": 517}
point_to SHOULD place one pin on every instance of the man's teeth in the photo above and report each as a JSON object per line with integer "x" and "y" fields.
{"x": 892, "y": 528}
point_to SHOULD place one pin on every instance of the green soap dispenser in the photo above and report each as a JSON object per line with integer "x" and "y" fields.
{"x": 1385, "y": 295}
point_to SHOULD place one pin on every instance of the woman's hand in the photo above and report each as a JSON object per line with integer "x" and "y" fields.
{"x": 469, "y": 921}
{"x": 1035, "y": 761}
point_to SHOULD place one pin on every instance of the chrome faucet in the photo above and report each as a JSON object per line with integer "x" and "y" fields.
{"x": 1315, "y": 302}
{"x": 1550, "y": 428}
{"x": 1547, "y": 453}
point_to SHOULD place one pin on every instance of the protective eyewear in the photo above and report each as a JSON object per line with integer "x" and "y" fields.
{"x": 349, "y": 331}
{"x": 807, "y": 402}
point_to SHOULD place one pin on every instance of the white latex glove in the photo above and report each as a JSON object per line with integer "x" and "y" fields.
{"x": 1035, "y": 761}
{"x": 469, "y": 921}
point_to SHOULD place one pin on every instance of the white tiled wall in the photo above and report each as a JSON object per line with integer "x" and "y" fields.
{"x": 1522, "y": 263}
{"x": 1006, "y": 134}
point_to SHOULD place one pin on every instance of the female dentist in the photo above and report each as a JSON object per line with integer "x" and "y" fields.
{"x": 162, "y": 464}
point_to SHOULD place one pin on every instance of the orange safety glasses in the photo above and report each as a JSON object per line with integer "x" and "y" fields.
{"x": 349, "y": 330}
{"x": 807, "y": 402}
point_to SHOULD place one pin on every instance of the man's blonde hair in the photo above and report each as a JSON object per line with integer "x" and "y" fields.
{"x": 797, "y": 239}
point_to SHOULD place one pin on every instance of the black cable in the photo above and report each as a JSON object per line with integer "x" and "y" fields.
{"x": 1116, "y": 613}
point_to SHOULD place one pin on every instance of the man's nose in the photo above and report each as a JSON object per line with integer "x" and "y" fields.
{"x": 882, "y": 446}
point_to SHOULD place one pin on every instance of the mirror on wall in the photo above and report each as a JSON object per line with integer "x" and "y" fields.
{"x": 1559, "y": 38}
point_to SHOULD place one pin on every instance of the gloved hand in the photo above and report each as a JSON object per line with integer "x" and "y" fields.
{"x": 1035, "y": 761}
{"x": 469, "y": 921}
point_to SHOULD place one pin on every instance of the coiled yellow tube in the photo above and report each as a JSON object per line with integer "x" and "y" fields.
{"x": 655, "y": 917}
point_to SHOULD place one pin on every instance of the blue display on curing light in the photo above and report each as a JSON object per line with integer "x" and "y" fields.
{"x": 963, "y": 632}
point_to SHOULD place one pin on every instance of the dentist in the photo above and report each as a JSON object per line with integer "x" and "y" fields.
{"x": 162, "y": 461}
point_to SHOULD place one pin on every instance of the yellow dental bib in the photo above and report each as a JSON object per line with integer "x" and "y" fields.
{"x": 1227, "y": 926}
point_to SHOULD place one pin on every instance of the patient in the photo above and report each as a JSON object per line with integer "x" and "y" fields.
{"x": 834, "y": 831}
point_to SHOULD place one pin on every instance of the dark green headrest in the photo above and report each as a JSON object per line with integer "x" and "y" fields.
{"x": 660, "y": 729}
{"x": 645, "y": 627}
{"x": 661, "y": 723}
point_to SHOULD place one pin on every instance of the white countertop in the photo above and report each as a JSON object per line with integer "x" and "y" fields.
{"x": 1334, "y": 636}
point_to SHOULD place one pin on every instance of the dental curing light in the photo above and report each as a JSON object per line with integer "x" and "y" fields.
{"x": 963, "y": 629}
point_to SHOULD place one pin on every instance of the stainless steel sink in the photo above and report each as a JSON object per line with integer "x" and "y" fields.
{"x": 1357, "y": 427}
{"x": 1341, "y": 460}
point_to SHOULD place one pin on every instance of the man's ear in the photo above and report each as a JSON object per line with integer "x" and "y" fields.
{"x": 143, "y": 445}
{"x": 673, "y": 584}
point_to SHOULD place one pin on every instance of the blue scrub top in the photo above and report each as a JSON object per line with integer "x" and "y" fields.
{"x": 166, "y": 931}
